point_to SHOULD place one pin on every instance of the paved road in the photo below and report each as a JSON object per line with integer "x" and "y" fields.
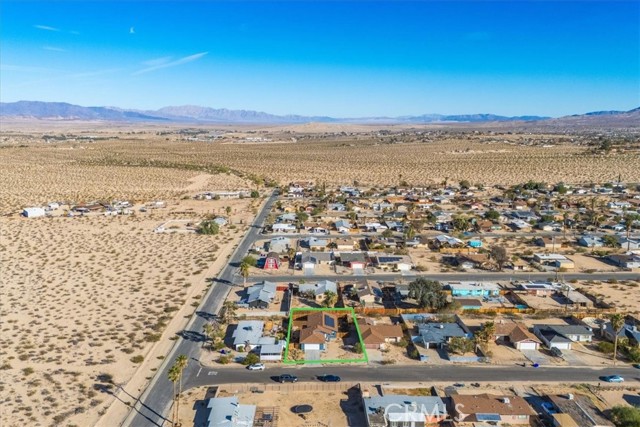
{"x": 382, "y": 374}
{"x": 524, "y": 276}
{"x": 157, "y": 398}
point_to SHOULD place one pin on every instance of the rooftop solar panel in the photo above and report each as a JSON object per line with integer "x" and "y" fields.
{"x": 328, "y": 320}
{"x": 488, "y": 417}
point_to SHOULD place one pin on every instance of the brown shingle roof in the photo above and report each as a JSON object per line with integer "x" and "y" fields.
{"x": 490, "y": 404}
{"x": 376, "y": 334}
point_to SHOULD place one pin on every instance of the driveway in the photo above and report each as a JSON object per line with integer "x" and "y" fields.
{"x": 573, "y": 358}
{"x": 375, "y": 356}
{"x": 312, "y": 354}
{"x": 535, "y": 356}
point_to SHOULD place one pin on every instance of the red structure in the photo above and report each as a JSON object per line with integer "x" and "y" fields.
{"x": 272, "y": 261}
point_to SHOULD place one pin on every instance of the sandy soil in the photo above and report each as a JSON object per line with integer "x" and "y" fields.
{"x": 624, "y": 294}
{"x": 83, "y": 297}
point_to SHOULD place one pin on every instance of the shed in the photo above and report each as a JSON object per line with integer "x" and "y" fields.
{"x": 33, "y": 212}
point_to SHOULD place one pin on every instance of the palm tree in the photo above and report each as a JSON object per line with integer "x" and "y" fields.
{"x": 181, "y": 363}
{"x": 565, "y": 217}
{"x": 208, "y": 331}
{"x": 617, "y": 322}
{"x": 173, "y": 376}
{"x": 244, "y": 271}
{"x": 629, "y": 219}
{"x": 228, "y": 311}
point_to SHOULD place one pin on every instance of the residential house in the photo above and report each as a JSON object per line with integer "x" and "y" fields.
{"x": 346, "y": 244}
{"x": 437, "y": 335}
{"x": 248, "y": 334}
{"x": 628, "y": 331}
{"x": 562, "y": 336}
{"x": 629, "y": 244}
{"x": 555, "y": 260}
{"x": 498, "y": 410}
{"x": 539, "y": 289}
{"x": 400, "y": 262}
{"x": 589, "y": 241}
{"x": 228, "y": 412}
{"x": 271, "y": 352}
{"x": 314, "y": 243}
{"x": 445, "y": 241}
{"x": 547, "y": 242}
{"x": 278, "y": 244}
{"x": 367, "y": 293}
{"x": 271, "y": 261}
{"x": 287, "y": 218}
{"x": 376, "y": 337}
{"x": 342, "y": 226}
{"x": 319, "y": 328}
{"x": 581, "y": 409}
{"x": 474, "y": 289}
{"x": 625, "y": 260}
{"x": 283, "y": 228}
{"x": 261, "y": 294}
{"x": 480, "y": 261}
{"x": 516, "y": 334}
{"x": 318, "y": 289}
{"x": 395, "y": 410}
{"x": 355, "y": 260}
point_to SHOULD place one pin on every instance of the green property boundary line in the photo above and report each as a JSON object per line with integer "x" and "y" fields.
{"x": 348, "y": 310}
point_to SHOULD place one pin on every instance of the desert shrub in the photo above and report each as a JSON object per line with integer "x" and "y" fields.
{"x": 137, "y": 359}
{"x": 605, "y": 347}
{"x": 250, "y": 359}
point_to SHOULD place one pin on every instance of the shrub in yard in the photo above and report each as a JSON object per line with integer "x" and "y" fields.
{"x": 137, "y": 359}
{"x": 250, "y": 359}
{"x": 605, "y": 347}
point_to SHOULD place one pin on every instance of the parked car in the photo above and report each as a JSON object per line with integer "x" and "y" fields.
{"x": 329, "y": 378}
{"x": 555, "y": 351}
{"x": 637, "y": 366}
{"x": 286, "y": 378}
{"x": 256, "y": 367}
{"x": 613, "y": 379}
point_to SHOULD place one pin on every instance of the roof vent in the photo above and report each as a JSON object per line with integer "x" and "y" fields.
{"x": 506, "y": 400}
{"x": 570, "y": 396}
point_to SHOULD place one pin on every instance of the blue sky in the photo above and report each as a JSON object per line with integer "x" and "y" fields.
{"x": 343, "y": 59}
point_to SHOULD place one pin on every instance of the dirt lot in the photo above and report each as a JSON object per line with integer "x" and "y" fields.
{"x": 332, "y": 405}
{"x": 96, "y": 295}
{"x": 624, "y": 294}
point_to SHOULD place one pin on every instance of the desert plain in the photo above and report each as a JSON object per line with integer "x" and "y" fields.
{"x": 86, "y": 298}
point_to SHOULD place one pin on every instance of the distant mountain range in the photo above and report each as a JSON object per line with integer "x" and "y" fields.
{"x": 196, "y": 114}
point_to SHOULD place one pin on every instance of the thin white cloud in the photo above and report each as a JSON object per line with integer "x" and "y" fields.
{"x": 46, "y": 28}
{"x": 95, "y": 73}
{"x": 158, "y": 61}
{"x": 54, "y": 49}
{"x": 175, "y": 63}
{"x": 25, "y": 68}
{"x": 132, "y": 30}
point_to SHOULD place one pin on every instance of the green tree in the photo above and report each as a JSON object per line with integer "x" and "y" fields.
{"x": 499, "y": 255}
{"x": 464, "y": 184}
{"x": 492, "y": 215}
{"x": 208, "y": 227}
{"x": 460, "y": 345}
{"x": 610, "y": 241}
{"x": 302, "y": 217}
{"x": 428, "y": 293}
{"x": 330, "y": 299}
{"x": 250, "y": 359}
{"x": 358, "y": 348}
{"x": 250, "y": 261}
{"x": 387, "y": 233}
{"x": 486, "y": 333}
{"x": 460, "y": 223}
{"x": 625, "y": 416}
{"x": 244, "y": 271}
